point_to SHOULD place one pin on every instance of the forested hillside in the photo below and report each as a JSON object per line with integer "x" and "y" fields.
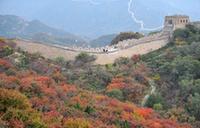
{"x": 176, "y": 72}
{"x": 36, "y": 92}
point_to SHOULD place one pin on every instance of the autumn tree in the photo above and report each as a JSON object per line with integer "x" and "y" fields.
{"x": 16, "y": 109}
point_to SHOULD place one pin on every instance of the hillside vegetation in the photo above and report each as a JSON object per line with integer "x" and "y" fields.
{"x": 125, "y": 36}
{"x": 39, "y": 93}
{"x": 176, "y": 71}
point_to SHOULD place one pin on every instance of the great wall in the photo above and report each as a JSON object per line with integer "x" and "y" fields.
{"x": 108, "y": 54}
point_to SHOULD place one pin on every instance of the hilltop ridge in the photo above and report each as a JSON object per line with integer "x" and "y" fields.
{"x": 12, "y": 26}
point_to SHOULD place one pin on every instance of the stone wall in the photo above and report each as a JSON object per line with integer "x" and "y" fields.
{"x": 122, "y": 44}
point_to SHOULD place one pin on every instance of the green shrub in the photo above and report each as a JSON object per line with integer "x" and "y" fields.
{"x": 23, "y": 61}
{"x": 10, "y": 72}
{"x": 85, "y": 57}
{"x": 36, "y": 124}
{"x": 60, "y": 60}
{"x": 125, "y": 36}
{"x": 157, "y": 106}
{"x": 115, "y": 93}
{"x": 189, "y": 34}
{"x": 12, "y": 113}
{"x": 155, "y": 99}
{"x": 193, "y": 106}
{"x": 89, "y": 110}
{"x": 122, "y": 124}
{"x": 7, "y": 50}
{"x": 78, "y": 106}
{"x": 122, "y": 61}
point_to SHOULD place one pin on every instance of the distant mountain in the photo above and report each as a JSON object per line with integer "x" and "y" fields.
{"x": 102, "y": 40}
{"x": 94, "y": 18}
{"x": 15, "y": 27}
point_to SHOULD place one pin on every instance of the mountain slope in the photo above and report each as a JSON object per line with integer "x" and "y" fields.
{"x": 176, "y": 72}
{"x": 102, "y": 40}
{"x": 35, "y": 94}
{"x": 12, "y": 26}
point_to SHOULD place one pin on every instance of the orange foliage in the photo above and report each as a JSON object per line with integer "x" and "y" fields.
{"x": 127, "y": 116}
{"x": 26, "y": 81}
{"x": 83, "y": 98}
{"x": 56, "y": 100}
{"x": 158, "y": 123}
{"x": 53, "y": 118}
{"x": 68, "y": 88}
{"x": 144, "y": 112}
{"x": 116, "y": 83}
{"x": 49, "y": 91}
{"x": 77, "y": 123}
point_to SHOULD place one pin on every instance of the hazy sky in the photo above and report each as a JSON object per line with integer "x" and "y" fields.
{"x": 98, "y": 17}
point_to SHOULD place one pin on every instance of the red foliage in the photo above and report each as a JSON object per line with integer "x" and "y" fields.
{"x": 57, "y": 102}
{"x": 5, "y": 64}
{"x": 43, "y": 79}
{"x": 128, "y": 107}
{"x": 9, "y": 82}
{"x": 14, "y": 123}
{"x": 39, "y": 102}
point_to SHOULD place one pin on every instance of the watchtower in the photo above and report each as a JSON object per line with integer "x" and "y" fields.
{"x": 176, "y": 21}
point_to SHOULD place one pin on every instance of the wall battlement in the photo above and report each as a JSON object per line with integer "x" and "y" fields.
{"x": 108, "y": 54}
